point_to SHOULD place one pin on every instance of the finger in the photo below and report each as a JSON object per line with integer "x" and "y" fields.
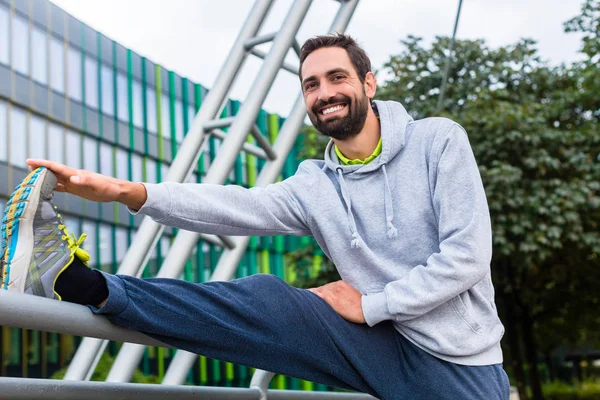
{"x": 57, "y": 168}
{"x": 80, "y": 180}
{"x": 60, "y": 188}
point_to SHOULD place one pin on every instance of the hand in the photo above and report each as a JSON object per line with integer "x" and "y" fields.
{"x": 344, "y": 299}
{"x": 92, "y": 186}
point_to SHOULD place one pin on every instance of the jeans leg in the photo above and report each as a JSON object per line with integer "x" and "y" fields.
{"x": 262, "y": 322}
{"x": 259, "y": 321}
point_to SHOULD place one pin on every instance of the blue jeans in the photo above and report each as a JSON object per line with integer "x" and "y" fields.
{"x": 262, "y": 322}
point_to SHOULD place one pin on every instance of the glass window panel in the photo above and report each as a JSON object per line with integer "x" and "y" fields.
{"x": 136, "y": 168}
{"x": 191, "y": 115}
{"x": 73, "y": 156}
{"x": 150, "y": 170}
{"x": 20, "y": 45}
{"x": 39, "y": 55}
{"x": 164, "y": 170}
{"x": 108, "y": 95}
{"x": 165, "y": 121}
{"x": 151, "y": 108}
{"x": 57, "y": 65}
{"x": 179, "y": 133}
{"x": 121, "y": 243}
{"x": 72, "y": 225}
{"x": 56, "y": 143}
{"x": 74, "y": 73}
{"x": 122, "y": 164}
{"x": 3, "y": 131}
{"x": 37, "y": 137}
{"x": 138, "y": 111}
{"x": 105, "y": 245}
{"x": 18, "y": 127}
{"x": 90, "y": 244}
{"x": 91, "y": 82}
{"x": 90, "y": 149}
{"x": 122, "y": 98}
{"x": 4, "y": 35}
{"x": 106, "y": 159}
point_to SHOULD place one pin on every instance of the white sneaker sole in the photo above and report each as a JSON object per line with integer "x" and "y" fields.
{"x": 17, "y": 227}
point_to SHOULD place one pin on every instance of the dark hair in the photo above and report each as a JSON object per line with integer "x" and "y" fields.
{"x": 357, "y": 55}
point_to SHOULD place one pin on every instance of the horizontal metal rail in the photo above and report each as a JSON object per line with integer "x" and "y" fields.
{"x": 247, "y": 147}
{"x": 287, "y": 66}
{"x": 255, "y": 41}
{"x": 42, "y": 314}
{"x": 263, "y": 142}
{"x": 218, "y": 123}
{"x": 46, "y": 389}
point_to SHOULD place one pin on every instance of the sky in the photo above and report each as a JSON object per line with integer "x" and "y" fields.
{"x": 193, "y": 37}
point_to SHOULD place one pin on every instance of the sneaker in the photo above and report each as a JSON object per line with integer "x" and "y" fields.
{"x": 36, "y": 246}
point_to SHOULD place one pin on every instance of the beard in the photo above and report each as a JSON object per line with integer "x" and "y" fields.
{"x": 345, "y": 127}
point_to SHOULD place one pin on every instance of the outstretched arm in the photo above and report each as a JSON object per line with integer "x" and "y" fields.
{"x": 93, "y": 186}
{"x": 217, "y": 209}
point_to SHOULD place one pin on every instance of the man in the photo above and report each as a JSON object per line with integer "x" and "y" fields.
{"x": 397, "y": 205}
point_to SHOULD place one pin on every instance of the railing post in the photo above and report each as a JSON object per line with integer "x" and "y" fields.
{"x": 260, "y": 381}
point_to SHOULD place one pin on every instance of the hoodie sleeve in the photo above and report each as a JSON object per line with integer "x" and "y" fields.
{"x": 464, "y": 230}
{"x": 279, "y": 208}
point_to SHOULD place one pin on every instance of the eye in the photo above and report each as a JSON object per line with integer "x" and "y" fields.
{"x": 337, "y": 77}
{"x": 310, "y": 85}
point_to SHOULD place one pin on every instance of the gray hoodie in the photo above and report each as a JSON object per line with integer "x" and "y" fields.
{"x": 410, "y": 230}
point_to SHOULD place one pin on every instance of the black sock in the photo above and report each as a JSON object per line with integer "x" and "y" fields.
{"x": 81, "y": 284}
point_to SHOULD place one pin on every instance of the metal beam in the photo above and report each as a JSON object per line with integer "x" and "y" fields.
{"x": 149, "y": 232}
{"x": 247, "y": 147}
{"x": 185, "y": 242}
{"x": 263, "y": 142}
{"x": 297, "y": 48}
{"x": 287, "y": 66}
{"x": 52, "y": 389}
{"x": 255, "y": 41}
{"x": 42, "y": 314}
{"x": 229, "y": 260}
{"x": 46, "y": 389}
{"x": 218, "y": 123}
{"x": 448, "y": 61}
{"x": 260, "y": 381}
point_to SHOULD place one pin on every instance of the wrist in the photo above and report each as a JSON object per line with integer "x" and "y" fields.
{"x": 132, "y": 195}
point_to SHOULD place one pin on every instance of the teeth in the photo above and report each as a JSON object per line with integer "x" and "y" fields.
{"x": 332, "y": 109}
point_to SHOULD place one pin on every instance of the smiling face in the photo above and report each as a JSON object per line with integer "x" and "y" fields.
{"x": 337, "y": 100}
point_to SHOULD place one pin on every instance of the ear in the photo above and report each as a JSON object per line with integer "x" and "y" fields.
{"x": 370, "y": 85}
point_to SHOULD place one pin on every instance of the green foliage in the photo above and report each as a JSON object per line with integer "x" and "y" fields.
{"x": 313, "y": 144}
{"x": 101, "y": 372}
{"x": 534, "y": 131}
{"x": 302, "y": 262}
{"x": 557, "y": 390}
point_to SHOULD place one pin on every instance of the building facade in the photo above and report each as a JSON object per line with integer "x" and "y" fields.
{"x": 72, "y": 95}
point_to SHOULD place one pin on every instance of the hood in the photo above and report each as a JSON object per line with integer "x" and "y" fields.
{"x": 393, "y": 120}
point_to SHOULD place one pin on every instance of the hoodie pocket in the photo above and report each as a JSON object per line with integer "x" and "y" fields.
{"x": 461, "y": 309}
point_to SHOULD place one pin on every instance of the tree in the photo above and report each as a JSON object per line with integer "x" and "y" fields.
{"x": 534, "y": 131}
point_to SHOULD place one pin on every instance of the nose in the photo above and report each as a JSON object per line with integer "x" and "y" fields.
{"x": 326, "y": 92}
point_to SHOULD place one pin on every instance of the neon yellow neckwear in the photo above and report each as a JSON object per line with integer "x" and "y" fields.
{"x": 356, "y": 161}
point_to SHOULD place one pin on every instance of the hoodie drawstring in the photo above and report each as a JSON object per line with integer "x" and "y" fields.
{"x": 389, "y": 208}
{"x": 356, "y": 239}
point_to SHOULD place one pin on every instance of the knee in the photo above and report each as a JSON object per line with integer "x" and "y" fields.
{"x": 266, "y": 281}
